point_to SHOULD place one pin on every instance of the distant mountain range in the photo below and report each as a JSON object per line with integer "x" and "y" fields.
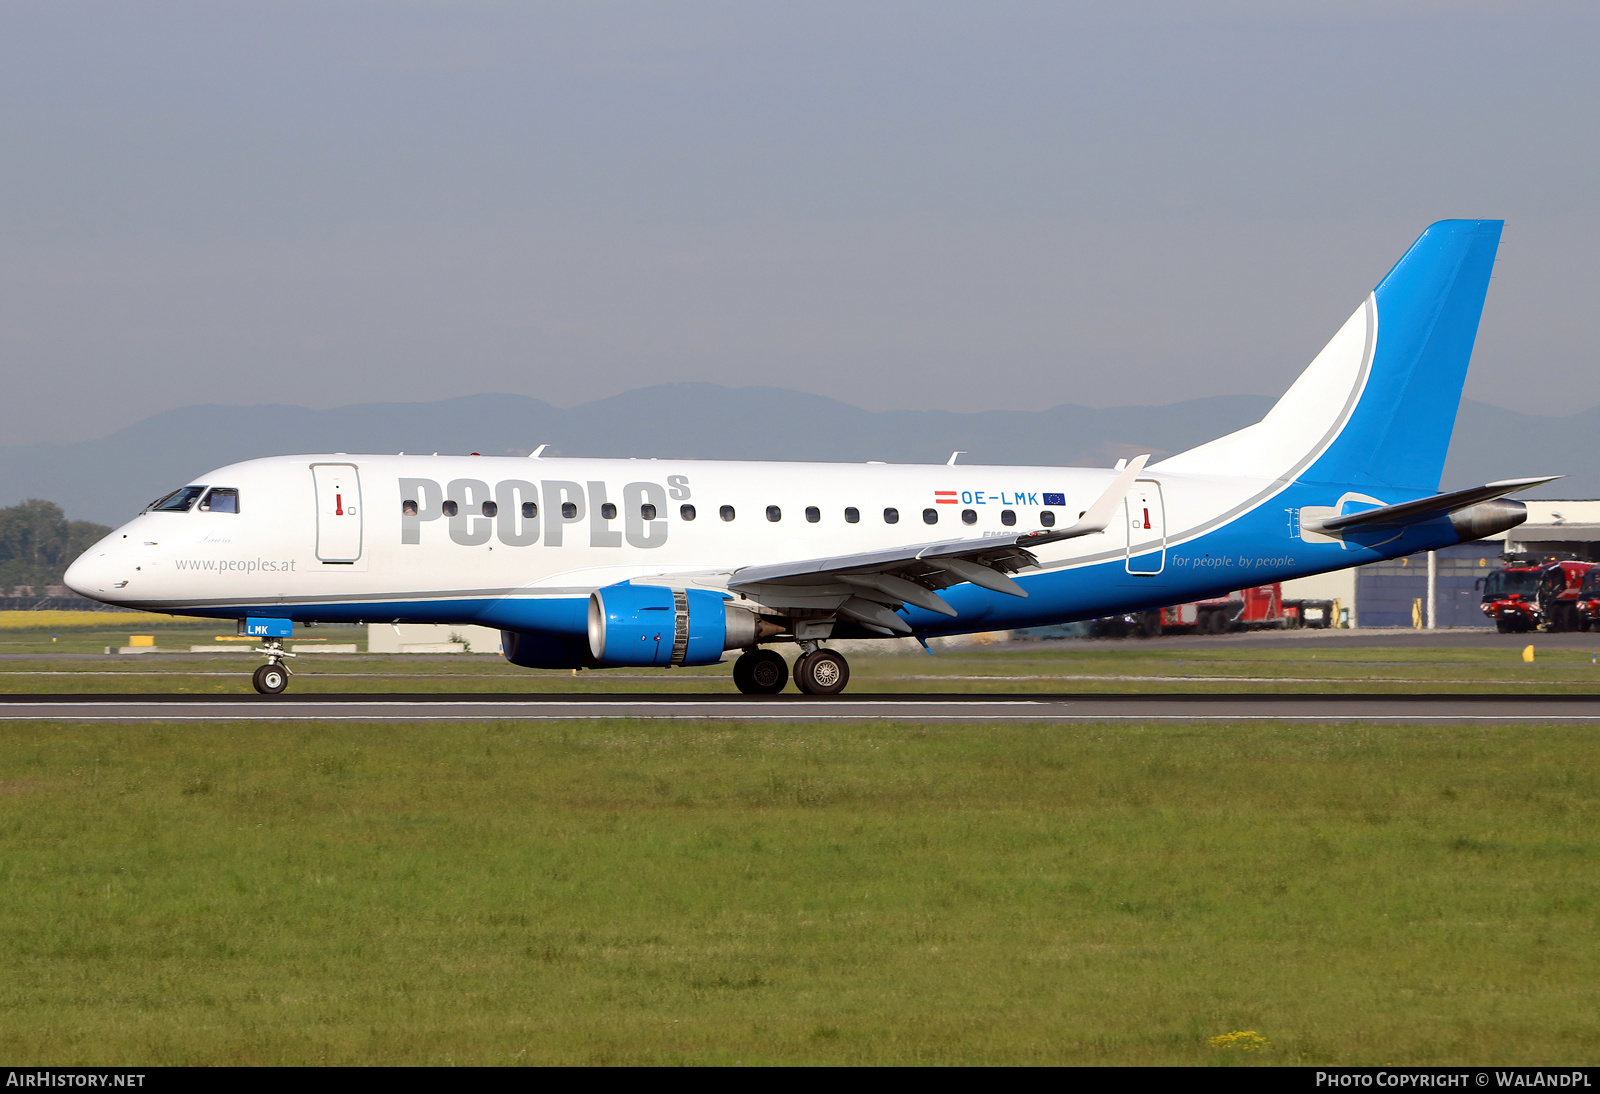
{"x": 111, "y": 478}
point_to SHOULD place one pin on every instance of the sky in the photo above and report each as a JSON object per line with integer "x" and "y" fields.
{"x": 898, "y": 205}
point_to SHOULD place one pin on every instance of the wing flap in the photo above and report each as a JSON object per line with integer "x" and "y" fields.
{"x": 1000, "y": 554}
{"x": 869, "y": 586}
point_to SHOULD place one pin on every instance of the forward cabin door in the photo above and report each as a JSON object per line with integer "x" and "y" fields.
{"x": 1146, "y": 521}
{"x": 338, "y": 512}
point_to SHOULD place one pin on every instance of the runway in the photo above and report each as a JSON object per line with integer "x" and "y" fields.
{"x": 799, "y": 708}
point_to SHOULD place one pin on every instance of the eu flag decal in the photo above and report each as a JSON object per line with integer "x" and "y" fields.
{"x": 1055, "y": 499}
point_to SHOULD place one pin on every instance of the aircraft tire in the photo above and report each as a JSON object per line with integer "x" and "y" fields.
{"x": 1150, "y": 624}
{"x": 822, "y": 672}
{"x": 761, "y": 672}
{"x": 270, "y": 679}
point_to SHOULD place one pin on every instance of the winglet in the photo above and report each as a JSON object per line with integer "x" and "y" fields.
{"x": 1098, "y": 516}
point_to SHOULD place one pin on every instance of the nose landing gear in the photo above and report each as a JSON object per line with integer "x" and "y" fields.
{"x": 273, "y": 677}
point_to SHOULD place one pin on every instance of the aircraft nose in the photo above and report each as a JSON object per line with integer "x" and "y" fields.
{"x": 92, "y": 575}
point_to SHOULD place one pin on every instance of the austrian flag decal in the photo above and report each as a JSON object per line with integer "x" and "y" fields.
{"x": 944, "y": 497}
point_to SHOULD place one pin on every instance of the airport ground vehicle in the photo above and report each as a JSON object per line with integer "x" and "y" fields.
{"x": 1560, "y": 587}
{"x": 1511, "y": 594}
{"x": 1587, "y": 602}
{"x": 1260, "y": 607}
{"x": 1537, "y": 592}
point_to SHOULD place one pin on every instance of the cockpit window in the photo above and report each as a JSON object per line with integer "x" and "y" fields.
{"x": 179, "y": 501}
{"x": 222, "y": 499}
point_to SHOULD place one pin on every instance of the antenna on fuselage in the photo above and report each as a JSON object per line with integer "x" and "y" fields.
{"x": 951, "y": 462}
{"x": 534, "y": 455}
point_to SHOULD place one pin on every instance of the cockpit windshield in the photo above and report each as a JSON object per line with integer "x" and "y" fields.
{"x": 179, "y": 501}
{"x": 1508, "y": 582}
{"x": 222, "y": 499}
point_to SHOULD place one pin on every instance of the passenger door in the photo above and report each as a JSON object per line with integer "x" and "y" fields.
{"x": 339, "y": 512}
{"x": 1146, "y": 521}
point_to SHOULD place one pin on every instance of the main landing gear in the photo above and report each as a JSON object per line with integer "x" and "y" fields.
{"x": 760, "y": 672}
{"x": 273, "y": 677}
{"x": 816, "y": 672}
{"x": 821, "y": 672}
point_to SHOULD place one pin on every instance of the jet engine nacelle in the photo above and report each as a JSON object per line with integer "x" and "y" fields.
{"x": 650, "y": 625}
{"x": 533, "y": 650}
{"x": 1488, "y": 517}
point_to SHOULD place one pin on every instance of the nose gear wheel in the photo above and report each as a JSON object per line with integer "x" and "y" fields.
{"x": 270, "y": 679}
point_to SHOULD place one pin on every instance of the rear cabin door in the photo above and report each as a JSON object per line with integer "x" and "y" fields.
{"x": 339, "y": 512}
{"x": 1146, "y": 519}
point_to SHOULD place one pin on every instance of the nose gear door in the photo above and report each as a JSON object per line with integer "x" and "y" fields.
{"x": 1146, "y": 521}
{"x": 339, "y": 512}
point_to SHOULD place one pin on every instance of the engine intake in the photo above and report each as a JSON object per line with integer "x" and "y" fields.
{"x": 650, "y": 625}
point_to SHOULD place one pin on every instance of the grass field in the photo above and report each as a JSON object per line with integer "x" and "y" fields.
{"x": 634, "y": 892}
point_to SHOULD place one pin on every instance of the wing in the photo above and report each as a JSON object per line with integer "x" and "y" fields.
{"x": 866, "y": 588}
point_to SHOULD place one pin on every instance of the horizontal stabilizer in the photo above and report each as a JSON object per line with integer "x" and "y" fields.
{"x": 1410, "y": 512}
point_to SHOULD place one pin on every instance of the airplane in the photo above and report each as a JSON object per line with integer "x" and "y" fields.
{"x": 600, "y": 563}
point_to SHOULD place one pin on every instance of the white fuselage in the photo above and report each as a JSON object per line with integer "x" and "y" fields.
{"x": 342, "y": 531}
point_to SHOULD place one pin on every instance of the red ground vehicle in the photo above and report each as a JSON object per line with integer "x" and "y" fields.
{"x": 1260, "y": 607}
{"x": 1511, "y": 594}
{"x": 1587, "y": 602}
{"x": 1560, "y": 588}
{"x": 1534, "y": 591}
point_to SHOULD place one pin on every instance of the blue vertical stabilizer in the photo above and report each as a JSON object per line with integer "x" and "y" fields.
{"x": 1427, "y": 318}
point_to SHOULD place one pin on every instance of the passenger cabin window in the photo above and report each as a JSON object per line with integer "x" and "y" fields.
{"x": 490, "y": 508}
{"x": 686, "y": 512}
{"x": 608, "y": 511}
{"x": 1008, "y": 517}
{"x": 530, "y": 509}
{"x": 891, "y": 516}
{"x": 969, "y": 516}
{"x": 774, "y": 514}
{"x": 726, "y": 512}
{"x": 813, "y": 514}
{"x": 450, "y": 508}
{"x": 179, "y": 501}
{"x": 930, "y": 516}
{"x": 569, "y": 510}
{"x": 851, "y": 515}
{"x": 222, "y": 499}
{"x": 647, "y": 511}
{"x": 408, "y": 508}
{"x": 1047, "y": 518}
